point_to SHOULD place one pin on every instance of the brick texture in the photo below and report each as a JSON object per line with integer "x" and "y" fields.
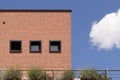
{"x": 26, "y": 26}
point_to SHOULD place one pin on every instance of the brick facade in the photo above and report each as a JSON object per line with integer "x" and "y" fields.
{"x": 43, "y": 25}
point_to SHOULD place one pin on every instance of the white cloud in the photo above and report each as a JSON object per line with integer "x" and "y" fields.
{"x": 105, "y": 34}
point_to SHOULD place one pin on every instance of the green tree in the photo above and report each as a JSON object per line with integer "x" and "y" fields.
{"x": 38, "y": 74}
{"x": 91, "y": 74}
{"x": 68, "y": 75}
{"x": 12, "y": 74}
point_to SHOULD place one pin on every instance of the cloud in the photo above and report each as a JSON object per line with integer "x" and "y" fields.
{"x": 105, "y": 34}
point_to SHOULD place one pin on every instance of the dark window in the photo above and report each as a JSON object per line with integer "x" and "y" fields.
{"x": 35, "y": 46}
{"x": 55, "y": 46}
{"x": 15, "y": 47}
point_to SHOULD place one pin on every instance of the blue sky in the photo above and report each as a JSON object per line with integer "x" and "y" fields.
{"x": 84, "y": 13}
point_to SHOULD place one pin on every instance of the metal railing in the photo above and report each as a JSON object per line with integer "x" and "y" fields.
{"x": 56, "y": 74}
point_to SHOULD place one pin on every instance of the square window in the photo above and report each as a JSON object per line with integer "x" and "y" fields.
{"x": 15, "y": 47}
{"x": 35, "y": 46}
{"x": 55, "y": 46}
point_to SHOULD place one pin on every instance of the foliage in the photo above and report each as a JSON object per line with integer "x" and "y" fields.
{"x": 68, "y": 75}
{"x": 37, "y": 74}
{"x": 91, "y": 74}
{"x": 12, "y": 74}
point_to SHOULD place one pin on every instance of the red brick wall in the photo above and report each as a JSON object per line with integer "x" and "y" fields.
{"x": 44, "y": 26}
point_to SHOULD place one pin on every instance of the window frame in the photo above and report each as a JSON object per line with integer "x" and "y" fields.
{"x": 60, "y": 45}
{"x": 15, "y": 51}
{"x": 40, "y": 46}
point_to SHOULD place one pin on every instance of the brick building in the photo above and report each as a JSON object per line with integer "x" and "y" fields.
{"x": 35, "y": 38}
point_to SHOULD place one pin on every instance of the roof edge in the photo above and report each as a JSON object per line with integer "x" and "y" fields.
{"x": 30, "y": 10}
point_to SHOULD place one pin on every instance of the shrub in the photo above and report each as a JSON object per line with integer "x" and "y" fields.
{"x": 12, "y": 74}
{"x": 68, "y": 75}
{"x": 36, "y": 74}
